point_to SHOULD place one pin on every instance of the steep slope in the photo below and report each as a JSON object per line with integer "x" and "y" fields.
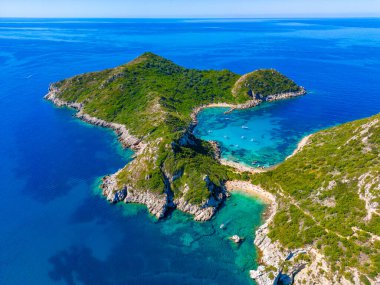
{"x": 151, "y": 103}
{"x": 328, "y": 198}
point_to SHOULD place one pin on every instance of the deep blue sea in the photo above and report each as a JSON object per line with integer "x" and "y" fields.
{"x": 55, "y": 228}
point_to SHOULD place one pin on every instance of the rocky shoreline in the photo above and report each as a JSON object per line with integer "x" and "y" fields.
{"x": 126, "y": 139}
{"x": 247, "y": 105}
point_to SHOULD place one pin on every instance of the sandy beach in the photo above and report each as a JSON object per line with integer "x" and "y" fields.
{"x": 254, "y": 190}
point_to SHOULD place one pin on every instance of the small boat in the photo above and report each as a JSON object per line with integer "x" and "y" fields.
{"x": 222, "y": 226}
{"x": 244, "y": 127}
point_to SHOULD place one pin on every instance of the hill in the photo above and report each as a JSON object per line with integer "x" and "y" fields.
{"x": 328, "y": 212}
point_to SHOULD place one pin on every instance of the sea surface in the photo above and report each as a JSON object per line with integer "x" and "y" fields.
{"x": 55, "y": 228}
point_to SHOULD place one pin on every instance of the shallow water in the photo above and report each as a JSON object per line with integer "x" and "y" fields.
{"x": 54, "y": 228}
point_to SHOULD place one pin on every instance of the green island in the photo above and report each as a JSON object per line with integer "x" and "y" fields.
{"x": 322, "y": 222}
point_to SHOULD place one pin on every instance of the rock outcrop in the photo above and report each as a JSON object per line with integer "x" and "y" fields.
{"x": 158, "y": 204}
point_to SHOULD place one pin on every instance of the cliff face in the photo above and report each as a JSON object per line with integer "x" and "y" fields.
{"x": 326, "y": 228}
{"x": 151, "y": 103}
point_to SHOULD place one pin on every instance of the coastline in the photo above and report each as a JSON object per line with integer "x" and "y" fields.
{"x": 158, "y": 204}
{"x": 246, "y": 168}
{"x": 126, "y": 139}
{"x": 247, "y": 105}
{"x": 257, "y": 192}
{"x": 302, "y": 143}
{"x": 270, "y": 253}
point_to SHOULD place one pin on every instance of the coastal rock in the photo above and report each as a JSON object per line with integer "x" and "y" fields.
{"x": 201, "y": 213}
{"x": 236, "y": 239}
{"x": 159, "y": 204}
{"x": 156, "y": 204}
{"x": 247, "y": 105}
{"x": 216, "y": 148}
{"x": 285, "y": 95}
{"x": 110, "y": 189}
{"x": 258, "y": 274}
{"x": 205, "y": 211}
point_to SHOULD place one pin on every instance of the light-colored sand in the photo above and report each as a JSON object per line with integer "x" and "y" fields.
{"x": 257, "y": 192}
{"x": 300, "y": 146}
{"x": 243, "y": 168}
{"x": 254, "y": 190}
{"x": 212, "y": 105}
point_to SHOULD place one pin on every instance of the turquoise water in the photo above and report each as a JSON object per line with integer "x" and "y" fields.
{"x": 55, "y": 228}
{"x": 193, "y": 239}
{"x": 254, "y": 138}
{"x": 266, "y": 135}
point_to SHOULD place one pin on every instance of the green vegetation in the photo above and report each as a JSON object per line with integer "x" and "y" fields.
{"x": 265, "y": 82}
{"x": 154, "y": 98}
{"x": 150, "y": 94}
{"x": 322, "y": 194}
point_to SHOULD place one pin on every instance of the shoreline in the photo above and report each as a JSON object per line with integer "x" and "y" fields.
{"x": 301, "y": 144}
{"x": 247, "y": 105}
{"x": 255, "y": 191}
{"x": 246, "y": 168}
{"x": 124, "y": 136}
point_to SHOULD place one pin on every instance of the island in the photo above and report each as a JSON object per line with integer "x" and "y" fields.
{"x": 152, "y": 103}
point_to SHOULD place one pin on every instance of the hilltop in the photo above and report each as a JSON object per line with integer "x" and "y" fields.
{"x": 328, "y": 209}
{"x": 152, "y": 103}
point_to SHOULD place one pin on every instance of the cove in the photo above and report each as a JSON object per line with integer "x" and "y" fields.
{"x": 259, "y": 137}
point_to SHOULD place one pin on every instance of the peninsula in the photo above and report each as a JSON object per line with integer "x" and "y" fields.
{"x": 322, "y": 223}
{"x": 152, "y": 103}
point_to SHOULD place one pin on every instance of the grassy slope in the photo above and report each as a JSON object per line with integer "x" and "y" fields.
{"x": 154, "y": 98}
{"x": 319, "y": 190}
